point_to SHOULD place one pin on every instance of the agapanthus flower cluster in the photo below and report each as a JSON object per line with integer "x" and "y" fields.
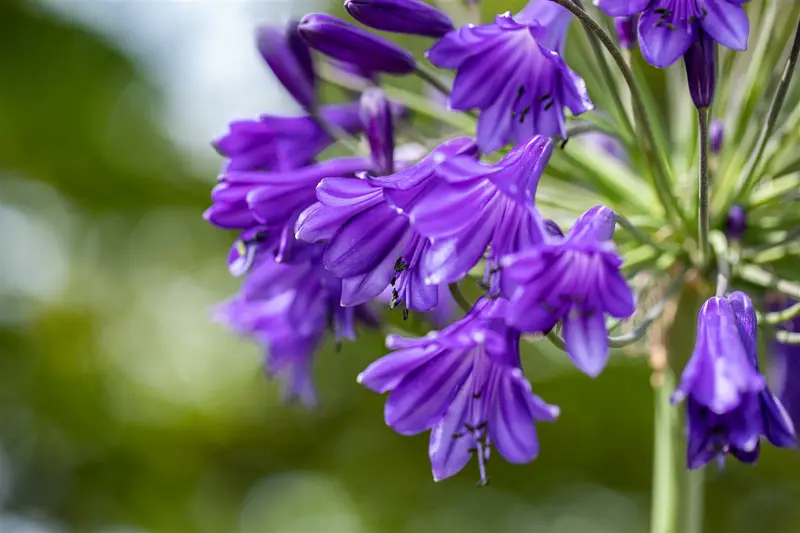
{"x": 474, "y": 198}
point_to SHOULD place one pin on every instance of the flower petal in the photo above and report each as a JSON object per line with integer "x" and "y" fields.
{"x": 587, "y": 341}
{"x": 726, "y": 23}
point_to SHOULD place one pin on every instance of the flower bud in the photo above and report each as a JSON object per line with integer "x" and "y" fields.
{"x": 376, "y": 118}
{"x": 626, "y": 31}
{"x": 701, "y": 70}
{"x": 716, "y": 134}
{"x": 400, "y": 16}
{"x": 289, "y": 57}
{"x": 736, "y": 222}
{"x": 347, "y": 42}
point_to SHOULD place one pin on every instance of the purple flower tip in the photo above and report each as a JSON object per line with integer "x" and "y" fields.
{"x": 701, "y": 68}
{"x": 376, "y": 118}
{"x": 466, "y": 386}
{"x": 400, "y": 16}
{"x": 290, "y": 60}
{"x": 736, "y": 222}
{"x": 626, "y": 31}
{"x": 785, "y": 365}
{"x": 346, "y": 42}
{"x": 717, "y": 135}
{"x": 729, "y": 406}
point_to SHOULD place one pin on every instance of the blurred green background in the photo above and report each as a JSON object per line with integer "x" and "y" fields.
{"x": 124, "y": 409}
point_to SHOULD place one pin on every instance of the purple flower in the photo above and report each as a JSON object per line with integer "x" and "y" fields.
{"x": 465, "y": 384}
{"x": 281, "y": 143}
{"x": 701, "y": 66}
{"x": 243, "y": 199}
{"x": 288, "y": 307}
{"x": 512, "y": 72}
{"x": 376, "y": 118}
{"x": 785, "y": 371}
{"x": 626, "y": 31}
{"x": 576, "y": 279}
{"x": 736, "y": 222}
{"x": 728, "y": 404}
{"x": 716, "y": 134}
{"x": 370, "y": 243}
{"x": 346, "y": 42}
{"x": 667, "y": 28}
{"x": 474, "y": 207}
{"x": 400, "y": 16}
{"x": 290, "y": 59}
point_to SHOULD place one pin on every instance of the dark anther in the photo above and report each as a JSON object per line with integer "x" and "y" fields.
{"x": 545, "y": 97}
{"x": 692, "y": 19}
{"x": 400, "y": 265}
{"x": 548, "y": 105}
{"x": 472, "y": 450}
{"x": 547, "y": 307}
{"x": 670, "y": 26}
{"x": 705, "y": 14}
{"x": 476, "y": 395}
{"x": 661, "y": 11}
{"x": 405, "y": 313}
{"x": 457, "y": 435}
{"x": 481, "y": 426}
{"x": 564, "y": 143}
{"x": 523, "y": 113}
{"x": 469, "y": 427}
{"x": 658, "y": 23}
{"x": 393, "y": 281}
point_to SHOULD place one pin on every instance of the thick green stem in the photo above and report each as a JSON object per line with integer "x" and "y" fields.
{"x": 788, "y": 337}
{"x": 693, "y": 501}
{"x": 703, "y": 222}
{"x": 665, "y": 483}
{"x": 660, "y": 173}
{"x": 749, "y": 177}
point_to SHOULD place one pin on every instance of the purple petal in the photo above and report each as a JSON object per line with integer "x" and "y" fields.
{"x": 726, "y": 23}
{"x": 387, "y": 372}
{"x": 423, "y": 397}
{"x": 449, "y": 447}
{"x": 664, "y": 41}
{"x": 511, "y": 422}
{"x": 587, "y": 341}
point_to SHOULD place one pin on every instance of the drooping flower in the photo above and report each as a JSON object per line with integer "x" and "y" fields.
{"x": 465, "y": 385}
{"x": 243, "y": 199}
{"x": 667, "y": 28}
{"x": 281, "y": 143}
{"x": 476, "y": 206}
{"x": 346, "y": 42}
{"x": 289, "y": 57}
{"x": 512, "y": 71}
{"x": 576, "y": 279}
{"x": 701, "y": 66}
{"x": 400, "y": 16}
{"x": 287, "y": 307}
{"x": 369, "y": 243}
{"x": 728, "y": 404}
{"x": 785, "y": 371}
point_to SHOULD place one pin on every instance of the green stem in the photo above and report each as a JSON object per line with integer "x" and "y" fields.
{"x": 758, "y": 276}
{"x": 665, "y": 483}
{"x": 693, "y": 501}
{"x": 637, "y": 234}
{"x": 460, "y": 299}
{"x": 428, "y": 76}
{"x": 787, "y": 337}
{"x": 660, "y": 174}
{"x": 703, "y": 222}
{"x": 749, "y": 177}
{"x": 779, "y": 317}
{"x": 720, "y": 245}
